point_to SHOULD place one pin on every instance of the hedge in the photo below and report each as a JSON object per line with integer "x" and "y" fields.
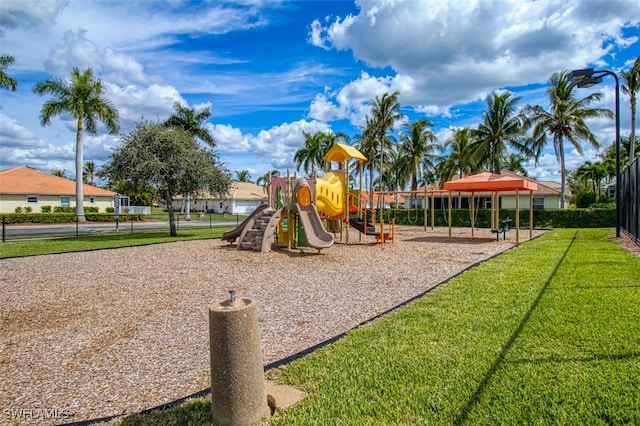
{"x": 556, "y": 218}
{"x": 565, "y": 218}
{"x": 16, "y": 218}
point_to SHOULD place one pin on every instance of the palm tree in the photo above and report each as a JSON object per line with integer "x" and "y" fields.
{"x": 501, "y": 128}
{"x": 89, "y": 172}
{"x": 7, "y": 82}
{"x": 366, "y": 144}
{"x": 630, "y": 86}
{"x": 591, "y": 173}
{"x": 192, "y": 120}
{"x": 264, "y": 179}
{"x": 243, "y": 176}
{"x": 417, "y": 146}
{"x": 459, "y": 161}
{"x": 83, "y": 99}
{"x": 59, "y": 172}
{"x": 385, "y": 111}
{"x": 513, "y": 163}
{"x": 566, "y": 119}
{"x": 311, "y": 155}
{"x": 316, "y": 146}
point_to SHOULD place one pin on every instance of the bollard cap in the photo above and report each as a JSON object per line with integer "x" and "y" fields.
{"x": 233, "y": 303}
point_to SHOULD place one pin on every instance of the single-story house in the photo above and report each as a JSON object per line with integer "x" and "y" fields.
{"x": 547, "y": 196}
{"x": 26, "y": 187}
{"x": 242, "y": 198}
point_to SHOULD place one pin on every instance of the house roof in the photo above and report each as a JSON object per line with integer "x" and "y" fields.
{"x": 247, "y": 191}
{"x": 25, "y": 180}
{"x": 387, "y": 197}
{"x": 237, "y": 191}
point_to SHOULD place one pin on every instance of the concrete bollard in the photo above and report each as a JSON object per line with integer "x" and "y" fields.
{"x": 238, "y": 395}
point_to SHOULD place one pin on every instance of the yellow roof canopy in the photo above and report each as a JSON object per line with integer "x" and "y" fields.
{"x": 341, "y": 153}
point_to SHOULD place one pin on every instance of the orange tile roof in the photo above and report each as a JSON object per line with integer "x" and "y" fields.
{"x": 25, "y": 180}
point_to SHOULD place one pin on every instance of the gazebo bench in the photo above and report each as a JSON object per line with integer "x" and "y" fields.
{"x": 505, "y": 226}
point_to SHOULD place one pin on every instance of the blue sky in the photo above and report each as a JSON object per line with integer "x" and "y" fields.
{"x": 272, "y": 69}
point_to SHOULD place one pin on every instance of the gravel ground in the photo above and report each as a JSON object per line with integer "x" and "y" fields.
{"x": 109, "y": 332}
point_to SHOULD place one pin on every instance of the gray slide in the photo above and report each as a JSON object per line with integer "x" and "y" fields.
{"x": 232, "y": 235}
{"x": 317, "y": 236}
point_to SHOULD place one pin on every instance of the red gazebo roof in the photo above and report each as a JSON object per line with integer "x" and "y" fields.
{"x": 490, "y": 182}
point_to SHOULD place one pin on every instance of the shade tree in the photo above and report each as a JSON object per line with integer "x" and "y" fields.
{"x": 170, "y": 160}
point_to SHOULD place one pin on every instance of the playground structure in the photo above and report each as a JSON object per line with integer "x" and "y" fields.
{"x": 309, "y": 212}
{"x": 300, "y": 210}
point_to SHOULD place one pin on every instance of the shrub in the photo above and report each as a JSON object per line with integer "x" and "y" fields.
{"x": 28, "y": 209}
{"x": 585, "y": 199}
{"x": 45, "y": 209}
{"x": 64, "y": 209}
{"x": 18, "y": 210}
{"x": 44, "y": 218}
{"x": 110, "y": 210}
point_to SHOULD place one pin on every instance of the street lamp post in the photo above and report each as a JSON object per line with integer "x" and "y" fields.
{"x": 589, "y": 77}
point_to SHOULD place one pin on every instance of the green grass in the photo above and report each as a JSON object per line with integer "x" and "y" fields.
{"x": 547, "y": 333}
{"x": 16, "y": 248}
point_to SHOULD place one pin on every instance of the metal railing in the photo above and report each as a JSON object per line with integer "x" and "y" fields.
{"x": 630, "y": 200}
{"x": 26, "y": 231}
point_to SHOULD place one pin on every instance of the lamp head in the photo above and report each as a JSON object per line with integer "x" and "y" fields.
{"x": 588, "y": 82}
{"x": 577, "y": 75}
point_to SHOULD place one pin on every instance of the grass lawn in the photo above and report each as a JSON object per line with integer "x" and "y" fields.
{"x": 547, "y": 333}
{"x": 16, "y": 248}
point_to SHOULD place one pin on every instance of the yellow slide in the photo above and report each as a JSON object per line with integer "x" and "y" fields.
{"x": 330, "y": 194}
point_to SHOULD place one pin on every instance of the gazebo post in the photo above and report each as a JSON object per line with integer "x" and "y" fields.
{"x": 472, "y": 214}
{"x": 433, "y": 210}
{"x": 517, "y": 216}
{"x": 426, "y": 203}
{"x": 530, "y": 214}
{"x": 493, "y": 212}
{"x": 449, "y": 214}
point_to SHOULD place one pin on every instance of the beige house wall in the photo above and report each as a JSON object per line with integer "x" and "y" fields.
{"x": 550, "y": 201}
{"x": 9, "y": 202}
{"x": 508, "y": 201}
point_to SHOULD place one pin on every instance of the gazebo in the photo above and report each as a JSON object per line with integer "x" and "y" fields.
{"x": 494, "y": 183}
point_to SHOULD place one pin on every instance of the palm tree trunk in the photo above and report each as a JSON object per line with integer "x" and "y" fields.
{"x": 187, "y": 207}
{"x": 371, "y": 185}
{"x": 79, "y": 165}
{"x": 562, "y": 172}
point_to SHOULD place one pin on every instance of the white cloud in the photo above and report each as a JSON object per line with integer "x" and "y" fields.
{"x": 277, "y": 146}
{"x": 456, "y": 52}
{"x": 16, "y": 135}
{"x": 228, "y": 138}
{"x": 29, "y": 14}
{"x": 133, "y": 103}
{"x": 76, "y": 50}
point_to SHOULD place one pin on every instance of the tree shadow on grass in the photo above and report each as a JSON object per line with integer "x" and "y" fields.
{"x": 473, "y": 400}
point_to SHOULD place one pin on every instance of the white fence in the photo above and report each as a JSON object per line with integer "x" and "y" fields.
{"x": 137, "y": 210}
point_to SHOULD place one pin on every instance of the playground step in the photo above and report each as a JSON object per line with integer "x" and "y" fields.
{"x": 247, "y": 245}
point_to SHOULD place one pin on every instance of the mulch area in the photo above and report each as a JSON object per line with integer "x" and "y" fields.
{"x": 630, "y": 244}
